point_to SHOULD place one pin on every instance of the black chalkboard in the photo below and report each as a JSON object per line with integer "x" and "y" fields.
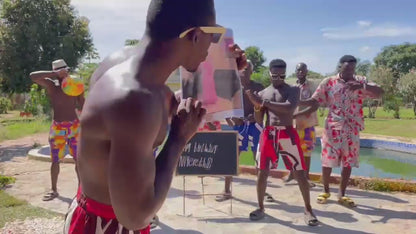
{"x": 210, "y": 153}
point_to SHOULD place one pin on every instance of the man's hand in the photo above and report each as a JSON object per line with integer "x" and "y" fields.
{"x": 354, "y": 85}
{"x": 239, "y": 55}
{"x": 254, "y": 98}
{"x": 188, "y": 119}
{"x": 211, "y": 126}
{"x": 251, "y": 118}
{"x": 237, "y": 121}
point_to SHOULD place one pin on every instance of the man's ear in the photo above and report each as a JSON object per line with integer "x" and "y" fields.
{"x": 195, "y": 35}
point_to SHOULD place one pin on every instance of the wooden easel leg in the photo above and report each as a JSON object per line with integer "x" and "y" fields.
{"x": 184, "y": 196}
{"x": 231, "y": 200}
{"x": 203, "y": 191}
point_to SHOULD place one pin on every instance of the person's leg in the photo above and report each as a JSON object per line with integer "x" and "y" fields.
{"x": 261, "y": 187}
{"x": 228, "y": 179}
{"x": 57, "y": 146}
{"x": 308, "y": 165}
{"x": 345, "y": 177}
{"x": 350, "y": 159}
{"x": 261, "y": 192}
{"x": 326, "y": 175}
{"x": 54, "y": 175}
{"x": 293, "y": 158}
{"x": 265, "y": 156}
{"x": 73, "y": 134}
{"x": 330, "y": 158}
{"x": 303, "y": 183}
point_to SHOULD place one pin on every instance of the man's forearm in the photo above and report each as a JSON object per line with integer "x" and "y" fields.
{"x": 166, "y": 163}
{"x": 308, "y": 110}
{"x": 280, "y": 108}
{"x": 42, "y": 74}
{"x": 311, "y": 106}
{"x": 375, "y": 90}
{"x": 259, "y": 115}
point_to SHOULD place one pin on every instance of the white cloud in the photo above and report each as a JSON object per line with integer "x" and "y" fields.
{"x": 365, "y": 29}
{"x": 364, "y": 23}
{"x": 322, "y": 58}
{"x": 112, "y": 21}
{"x": 365, "y": 49}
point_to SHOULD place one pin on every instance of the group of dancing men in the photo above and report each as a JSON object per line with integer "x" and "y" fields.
{"x": 130, "y": 111}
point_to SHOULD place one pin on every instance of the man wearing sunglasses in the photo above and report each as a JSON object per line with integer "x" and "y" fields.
{"x": 65, "y": 125}
{"x": 126, "y": 116}
{"x": 278, "y": 102}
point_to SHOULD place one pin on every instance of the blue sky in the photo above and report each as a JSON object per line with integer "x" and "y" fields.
{"x": 316, "y": 32}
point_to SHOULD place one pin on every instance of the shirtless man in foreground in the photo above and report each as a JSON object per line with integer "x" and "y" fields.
{"x": 126, "y": 117}
{"x": 278, "y": 102}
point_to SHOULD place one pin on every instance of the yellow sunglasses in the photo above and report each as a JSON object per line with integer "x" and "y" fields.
{"x": 216, "y": 31}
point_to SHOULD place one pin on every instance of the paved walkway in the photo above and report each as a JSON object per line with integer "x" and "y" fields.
{"x": 376, "y": 212}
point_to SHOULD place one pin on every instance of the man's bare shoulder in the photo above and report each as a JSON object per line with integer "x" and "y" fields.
{"x": 113, "y": 60}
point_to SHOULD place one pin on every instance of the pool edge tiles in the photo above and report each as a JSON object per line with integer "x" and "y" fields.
{"x": 398, "y": 146}
{"x": 382, "y": 144}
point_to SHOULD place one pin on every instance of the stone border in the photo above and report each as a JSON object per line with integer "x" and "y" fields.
{"x": 383, "y": 144}
{"x": 42, "y": 154}
{"x": 336, "y": 178}
{"x": 365, "y": 142}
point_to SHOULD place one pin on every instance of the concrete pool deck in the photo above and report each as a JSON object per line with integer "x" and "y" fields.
{"x": 376, "y": 212}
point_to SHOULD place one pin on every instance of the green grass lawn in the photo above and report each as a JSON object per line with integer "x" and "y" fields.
{"x": 23, "y": 128}
{"x": 12, "y": 209}
{"x": 246, "y": 158}
{"x": 385, "y": 124}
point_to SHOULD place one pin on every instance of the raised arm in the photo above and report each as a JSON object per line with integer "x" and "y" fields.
{"x": 369, "y": 89}
{"x": 138, "y": 185}
{"x": 80, "y": 104}
{"x": 374, "y": 90}
{"x": 311, "y": 106}
{"x": 46, "y": 78}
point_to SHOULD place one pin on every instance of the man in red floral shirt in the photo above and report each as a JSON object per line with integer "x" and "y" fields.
{"x": 343, "y": 95}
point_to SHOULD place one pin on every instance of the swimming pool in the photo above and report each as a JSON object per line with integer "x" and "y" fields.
{"x": 376, "y": 163}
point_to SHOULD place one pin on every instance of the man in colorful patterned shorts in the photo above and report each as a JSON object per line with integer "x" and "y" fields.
{"x": 65, "y": 124}
{"x": 343, "y": 95}
{"x": 305, "y": 124}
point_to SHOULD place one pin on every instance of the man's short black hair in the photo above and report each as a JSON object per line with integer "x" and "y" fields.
{"x": 347, "y": 58}
{"x": 166, "y": 19}
{"x": 279, "y": 63}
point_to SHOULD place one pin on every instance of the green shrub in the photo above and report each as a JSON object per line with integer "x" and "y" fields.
{"x": 5, "y": 105}
{"x": 6, "y": 180}
{"x": 38, "y": 102}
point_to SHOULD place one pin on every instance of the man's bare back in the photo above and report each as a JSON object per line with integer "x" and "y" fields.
{"x": 95, "y": 140}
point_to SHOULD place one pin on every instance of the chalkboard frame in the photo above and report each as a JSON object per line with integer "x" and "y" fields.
{"x": 237, "y": 171}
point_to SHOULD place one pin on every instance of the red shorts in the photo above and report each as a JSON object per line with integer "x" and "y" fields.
{"x": 87, "y": 216}
{"x": 281, "y": 140}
